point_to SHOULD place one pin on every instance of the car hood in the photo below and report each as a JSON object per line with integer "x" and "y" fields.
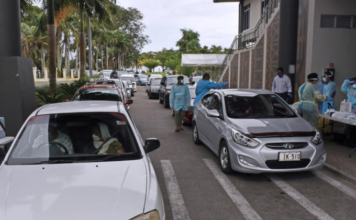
{"x": 91, "y": 191}
{"x": 154, "y": 87}
{"x": 276, "y": 127}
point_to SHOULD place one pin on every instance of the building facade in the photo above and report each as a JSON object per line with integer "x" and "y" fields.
{"x": 302, "y": 36}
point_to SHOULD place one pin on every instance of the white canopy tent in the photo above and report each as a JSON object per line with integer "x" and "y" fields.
{"x": 202, "y": 60}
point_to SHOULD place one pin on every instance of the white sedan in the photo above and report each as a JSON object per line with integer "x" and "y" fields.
{"x": 80, "y": 160}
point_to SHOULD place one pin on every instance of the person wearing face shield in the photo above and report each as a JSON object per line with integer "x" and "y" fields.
{"x": 327, "y": 86}
{"x": 349, "y": 88}
{"x": 179, "y": 99}
{"x": 309, "y": 95}
{"x": 281, "y": 85}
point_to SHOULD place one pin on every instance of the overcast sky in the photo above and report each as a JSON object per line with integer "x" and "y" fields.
{"x": 217, "y": 23}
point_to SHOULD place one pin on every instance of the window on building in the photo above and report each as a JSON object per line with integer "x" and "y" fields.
{"x": 338, "y": 21}
{"x": 246, "y": 17}
{"x": 264, "y": 5}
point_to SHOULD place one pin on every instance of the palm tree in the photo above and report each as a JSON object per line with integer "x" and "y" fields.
{"x": 51, "y": 37}
{"x": 189, "y": 41}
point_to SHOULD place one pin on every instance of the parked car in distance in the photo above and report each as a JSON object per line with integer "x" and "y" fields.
{"x": 166, "y": 86}
{"x": 153, "y": 87}
{"x": 152, "y": 76}
{"x": 141, "y": 79}
{"x": 128, "y": 88}
{"x": 255, "y": 131}
{"x": 131, "y": 80}
{"x": 196, "y": 79}
{"x": 82, "y": 160}
{"x": 100, "y": 92}
{"x": 105, "y": 74}
{"x": 188, "y": 116}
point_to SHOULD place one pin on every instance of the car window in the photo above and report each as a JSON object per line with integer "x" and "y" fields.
{"x": 155, "y": 82}
{"x": 206, "y": 100}
{"x": 98, "y": 94}
{"x": 80, "y": 137}
{"x": 215, "y": 103}
{"x": 259, "y": 106}
{"x": 173, "y": 80}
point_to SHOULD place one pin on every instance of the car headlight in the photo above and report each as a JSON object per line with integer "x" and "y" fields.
{"x": 317, "y": 139}
{"x": 240, "y": 138}
{"x": 154, "y": 215}
{"x": 168, "y": 91}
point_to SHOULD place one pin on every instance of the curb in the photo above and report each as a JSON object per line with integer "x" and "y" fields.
{"x": 340, "y": 172}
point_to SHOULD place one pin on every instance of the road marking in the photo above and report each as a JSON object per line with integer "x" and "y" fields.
{"x": 340, "y": 172}
{"x": 336, "y": 184}
{"x": 175, "y": 196}
{"x": 298, "y": 197}
{"x": 238, "y": 199}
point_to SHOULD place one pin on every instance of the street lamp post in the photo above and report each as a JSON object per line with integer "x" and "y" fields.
{"x": 17, "y": 90}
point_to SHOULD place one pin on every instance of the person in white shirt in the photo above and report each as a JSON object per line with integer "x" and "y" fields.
{"x": 281, "y": 85}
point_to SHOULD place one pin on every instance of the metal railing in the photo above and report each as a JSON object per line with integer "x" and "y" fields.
{"x": 248, "y": 38}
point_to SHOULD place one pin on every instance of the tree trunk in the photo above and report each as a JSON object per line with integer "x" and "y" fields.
{"x": 97, "y": 57}
{"x": 82, "y": 43}
{"x": 59, "y": 54}
{"x": 107, "y": 57}
{"x": 43, "y": 60}
{"x": 67, "y": 58}
{"x": 76, "y": 59}
{"x": 118, "y": 60}
{"x": 102, "y": 57}
{"x": 51, "y": 37}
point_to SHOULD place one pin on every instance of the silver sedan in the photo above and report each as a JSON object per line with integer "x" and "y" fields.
{"x": 255, "y": 131}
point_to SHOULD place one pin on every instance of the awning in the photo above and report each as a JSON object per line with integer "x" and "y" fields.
{"x": 202, "y": 60}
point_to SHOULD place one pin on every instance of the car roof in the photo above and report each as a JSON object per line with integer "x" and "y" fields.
{"x": 98, "y": 86}
{"x": 81, "y": 107}
{"x": 247, "y": 92}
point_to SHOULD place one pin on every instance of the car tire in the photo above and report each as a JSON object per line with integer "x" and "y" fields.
{"x": 224, "y": 158}
{"x": 132, "y": 94}
{"x": 165, "y": 104}
{"x": 150, "y": 95}
{"x": 196, "y": 135}
{"x": 160, "y": 100}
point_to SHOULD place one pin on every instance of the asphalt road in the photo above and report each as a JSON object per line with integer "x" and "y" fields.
{"x": 193, "y": 186}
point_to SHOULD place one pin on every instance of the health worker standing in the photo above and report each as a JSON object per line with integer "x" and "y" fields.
{"x": 204, "y": 85}
{"x": 328, "y": 87}
{"x": 349, "y": 88}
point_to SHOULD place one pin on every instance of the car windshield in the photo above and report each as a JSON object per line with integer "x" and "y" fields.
{"x": 98, "y": 94}
{"x": 68, "y": 138}
{"x": 192, "y": 92}
{"x": 128, "y": 79}
{"x": 155, "y": 82}
{"x": 173, "y": 80}
{"x": 259, "y": 106}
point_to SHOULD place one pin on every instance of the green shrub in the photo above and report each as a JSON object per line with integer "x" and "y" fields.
{"x": 96, "y": 76}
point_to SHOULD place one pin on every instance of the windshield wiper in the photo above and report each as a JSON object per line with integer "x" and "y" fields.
{"x": 50, "y": 162}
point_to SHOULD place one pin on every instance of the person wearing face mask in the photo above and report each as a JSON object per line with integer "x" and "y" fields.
{"x": 179, "y": 99}
{"x": 327, "y": 86}
{"x": 309, "y": 95}
{"x": 103, "y": 142}
{"x": 281, "y": 85}
{"x": 349, "y": 88}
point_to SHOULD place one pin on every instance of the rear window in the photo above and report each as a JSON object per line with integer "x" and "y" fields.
{"x": 68, "y": 138}
{"x": 155, "y": 82}
{"x": 98, "y": 95}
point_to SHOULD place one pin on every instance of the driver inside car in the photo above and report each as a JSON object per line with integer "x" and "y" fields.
{"x": 103, "y": 142}
{"x": 53, "y": 134}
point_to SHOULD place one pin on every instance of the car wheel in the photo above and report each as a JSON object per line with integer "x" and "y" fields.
{"x": 196, "y": 135}
{"x": 132, "y": 94}
{"x": 160, "y": 100}
{"x": 224, "y": 158}
{"x": 165, "y": 104}
{"x": 150, "y": 95}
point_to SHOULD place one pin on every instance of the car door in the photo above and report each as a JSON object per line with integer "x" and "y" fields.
{"x": 201, "y": 120}
{"x": 215, "y": 126}
{"x": 162, "y": 88}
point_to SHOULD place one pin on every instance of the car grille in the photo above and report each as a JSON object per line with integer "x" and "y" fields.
{"x": 275, "y": 164}
{"x": 287, "y": 145}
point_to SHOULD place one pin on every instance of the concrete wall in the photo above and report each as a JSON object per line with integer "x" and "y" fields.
{"x": 255, "y": 12}
{"x": 333, "y": 45}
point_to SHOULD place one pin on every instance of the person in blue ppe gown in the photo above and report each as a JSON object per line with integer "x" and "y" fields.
{"x": 179, "y": 99}
{"x": 309, "y": 95}
{"x": 204, "y": 85}
{"x": 349, "y": 88}
{"x": 328, "y": 87}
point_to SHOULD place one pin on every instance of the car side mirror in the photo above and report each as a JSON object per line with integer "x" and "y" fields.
{"x": 151, "y": 144}
{"x": 129, "y": 102}
{"x": 162, "y": 83}
{"x": 213, "y": 113}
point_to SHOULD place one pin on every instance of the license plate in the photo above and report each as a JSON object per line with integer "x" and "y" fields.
{"x": 295, "y": 156}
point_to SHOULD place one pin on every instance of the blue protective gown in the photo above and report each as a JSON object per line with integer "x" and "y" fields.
{"x": 179, "y": 97}
{"x": 328, "y": 90}
{"x": 350, "y": 92}
{"x": 204, "y": 87}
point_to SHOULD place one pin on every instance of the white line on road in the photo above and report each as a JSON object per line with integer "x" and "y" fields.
{"x": 241, "y": 203}
{"x": 336, "y": 184}
{"x": 298, "y": 197}
{"x": 179, "y": 209}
